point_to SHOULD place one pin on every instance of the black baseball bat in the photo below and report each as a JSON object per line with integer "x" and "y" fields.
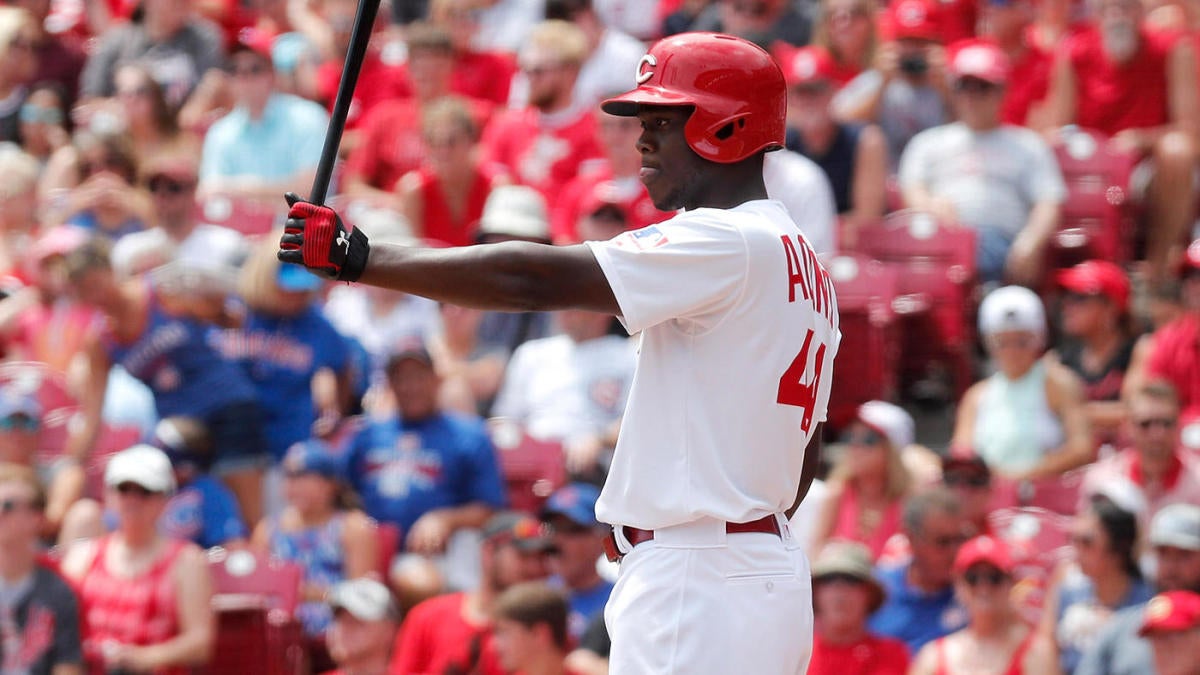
{"x": 360, "y": 35}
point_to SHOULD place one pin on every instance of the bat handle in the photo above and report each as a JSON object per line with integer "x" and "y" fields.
{"x": 360, "y": 35}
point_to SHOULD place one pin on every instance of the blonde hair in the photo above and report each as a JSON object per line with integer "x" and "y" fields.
{"x": 451, "y": 111}
{"x": 899, "y": 478}
{"x": 20, "y": 170}
{"x": 13, "y": 20}
{"x": 566, "y": 41}
{"x": 821, "y": 33}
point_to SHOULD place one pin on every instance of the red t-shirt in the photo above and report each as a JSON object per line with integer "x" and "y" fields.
{"x": 632, "y": 197}
{"x": 438, "y": 221}
{"x": 873, "y": 655}
{"x": 1113, "y": 97}
{"x": 483, "y": 75}
{"x": 435, "y": 638}
{"x": 1028, "y": 83}
{"x": 539, "y": 154}
{"x": 377, "y": 82}
{"x": 1176, "y": 359}
{"x": 957, "y": 19}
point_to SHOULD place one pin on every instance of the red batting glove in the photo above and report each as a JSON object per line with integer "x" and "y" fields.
{"x": 314, "y": 236}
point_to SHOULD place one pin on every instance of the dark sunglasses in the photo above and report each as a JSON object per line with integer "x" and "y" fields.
{"x": 990, "y": 577}
{"x": 168, "y": 186}
{"x": 861, "y": 437}
{"x": 248, "y": 70}
{"x": 947, "y": 541}
{"x": 971, "y": 85}
{"x": 19, "y": 423}
{"x": 36, "y": 114}
{"x": 134, "y": 489}
{"x": 1149, "y": 422}
{"x": 839, "y": 578}
{"x": 12, "y": 505}
{"x": 966, "y": 479}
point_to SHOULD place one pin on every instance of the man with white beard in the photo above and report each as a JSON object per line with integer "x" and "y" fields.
{"x": 1139, "y": 87}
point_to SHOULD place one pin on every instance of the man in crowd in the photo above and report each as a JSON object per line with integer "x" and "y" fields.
{"x": 365, "y": 618}
{"x": 570, "y": 514}
{"x": 531, "y": 629}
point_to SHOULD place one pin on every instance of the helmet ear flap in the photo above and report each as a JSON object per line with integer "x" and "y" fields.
{"x": 721, "y": 141}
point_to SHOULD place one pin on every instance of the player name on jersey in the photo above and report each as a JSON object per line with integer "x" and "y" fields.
{"x": 806, "y": 273}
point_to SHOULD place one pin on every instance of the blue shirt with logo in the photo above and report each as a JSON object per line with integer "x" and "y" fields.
{"x": 281, "y": 355}
{"x": 404, "y": 469}
{"x": 205, "y": 512}
{"x": 914, "y": 616}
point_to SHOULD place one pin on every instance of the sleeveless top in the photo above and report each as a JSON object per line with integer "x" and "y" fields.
{"x": 1014, "y": 425}
{"x": 846, "y": 524}
{"x": 1103, "y": 384}
{"x": 438, "y": 220}
{"x": 133, "y": 611}
{"x": 318, "y": 551}
{"x": 837, "y": 162}
{"x": 174, "y": 358}
{"x": 1014, "y": 664}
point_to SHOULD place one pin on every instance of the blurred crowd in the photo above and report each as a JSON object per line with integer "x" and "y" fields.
{"x": 403, "y": 486}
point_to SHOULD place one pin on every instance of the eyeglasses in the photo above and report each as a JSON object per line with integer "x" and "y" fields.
{"x": 133, "y": 489}
{"x": 973, "y": 85}
{"x": 1083, "y": 540}
{"x": 1165, "y": 423}
{"x": 168, "y": 186}
{"x": 847, "y": 15}
{"x": 35, "y": 114}
{"x": 8, "y": 506}
{"x": 966, "y": 479}
{"x": 248, "y": 69}
{"x": 989, "y": 577}
{"x": 19, "y": 423}
{"x": 839, "y": 578}
{"x": 946, "y": 540}
{"x": 862, "y": 437}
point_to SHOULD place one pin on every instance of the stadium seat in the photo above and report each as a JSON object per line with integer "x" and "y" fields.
{"x": 935, "y": 277}
{"x": 1098, "y": 220}
{"x": 389, "y": 544}
{"x": 865, "y": 291}
{"x": 250, "y": 217}
{"x": 532, "y": 468}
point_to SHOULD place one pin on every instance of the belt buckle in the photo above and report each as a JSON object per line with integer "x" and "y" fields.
{"x": 611, "y": 550}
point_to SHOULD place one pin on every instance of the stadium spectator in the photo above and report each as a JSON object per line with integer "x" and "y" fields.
{"x": 846, "y": 31}
{"x": 545, "y": 144}
{"x": 318, "y": 530}
{"x": 391, "y": 142}
{"x": 1000, "y": 180}
{"x": 763, "y": 22}
{"x": 1008, "y": 24}
{"x": 94, "y": 186}
{"x": 160, "y": 336}
{"x": 270, "y": 143}
{"x": 365, "y": 619}
{"x": 43, "y": 129}
{"x": 59, "y": 55}
{"x": 1103, "y": 579}
{"x": 571, "y": 388}
{"x": 39, "y": 614}
{"x": 1095, "y": 342}
{"x": 1155, "y": 465}
{"x": 432, "y": 473}
{"x": 17, "y": 65}
{"x": 178, "y": 47}
{"x": 969, "y": 478}
{"x": 18, "y": 212}
{"x": 146, "y": 116}
{"x": 1027, "y": 420}
{"x": 293, "y": 355}
{"x": 844, "y": 595}
{"x": 146, "y": 597}
{"x": 995, "y": 633}
{"x": 906, "y": 89}
{"x": 1138, "y": 87}
{"x": 454, "y": 632}
{"x": 1175, "y": 539}
{"x": 570, "y": 514}
{"x": 471, "y": 372}
{"x": 442, "y": 198}
{"x": 853, "y": 156}
{"x": 1172, "y": 625}
{"x": 484, "y": 75}
{"x": 869, "y": 481}
{"x": 531, "y": 629}
{"x": 920, "y": 604}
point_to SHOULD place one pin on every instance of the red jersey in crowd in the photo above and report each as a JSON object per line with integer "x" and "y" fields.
{"x": 483, "y": 75}
{"x": 438, "y": 220}
{"x": 1028, "y": 83}
{"x": 872, "y": 655}
{"x": 542, "y": 151}
{"x": 377, "y": 82}
{"x": 958, "y": 19}
{"x": 1112, "y": 97}
{"x": 1176, "y": 359}
{"x": 435, "y": 638}
{"x": 594, "y": 188}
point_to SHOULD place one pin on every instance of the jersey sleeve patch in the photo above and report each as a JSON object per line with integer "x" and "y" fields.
{"x": 641, "y": 240}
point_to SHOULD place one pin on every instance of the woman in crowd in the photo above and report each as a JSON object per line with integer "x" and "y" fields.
{"x": 146, "y": 597}
{"x": 92, "y": 183}
{"x": 149, "y": 121}
{"x": 847, "y": 32}
{"x": 1027, "y": 420}
{"x": 869, "y": 480}
{"x": 995, "y": 640}
{"x": 43, "y": 121}
{"x": 17, "y": 65}
{"x": 1103, "y": 579}
{"x": 319, "y": 530}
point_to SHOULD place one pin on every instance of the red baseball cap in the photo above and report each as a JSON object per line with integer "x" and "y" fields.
{"x": 1093, "y": 277}
{"x": 916, "y": 19}
{"x": 602, "y": 194}
{"x": 983, "y": 549}
{"x": 254, "y": 40}
{"x": 1172, "y": 612}
{"x": 806, "y": 65}
{"x": 979, "y": 59}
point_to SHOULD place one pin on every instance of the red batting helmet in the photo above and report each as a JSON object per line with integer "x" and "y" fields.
{"x": 735, "y": 88}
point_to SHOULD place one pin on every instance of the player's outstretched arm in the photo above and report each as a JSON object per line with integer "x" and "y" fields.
{"x": 512, "y": 276}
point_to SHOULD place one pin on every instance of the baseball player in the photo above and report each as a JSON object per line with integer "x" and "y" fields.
{"x": 739, "y": 327}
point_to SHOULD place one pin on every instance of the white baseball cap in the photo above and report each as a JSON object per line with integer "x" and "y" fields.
{"x": 144, "y": 465}
{"x": 515, "y": 211}
{"x": 1012, "y": 308}
{"x": 890, "y": 420}
{"x": 365, "y": 598}
{"x": 1178, "y": 526}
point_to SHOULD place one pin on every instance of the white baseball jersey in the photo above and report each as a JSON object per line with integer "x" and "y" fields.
{"x": 739, "y": 329}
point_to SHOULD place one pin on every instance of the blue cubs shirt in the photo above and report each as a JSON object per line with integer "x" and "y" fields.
{"x": 402, "y": 470}
{"x": 281, "y": 355}
{"x": 204, "y": 512}
{"x": 912, "y": 615}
